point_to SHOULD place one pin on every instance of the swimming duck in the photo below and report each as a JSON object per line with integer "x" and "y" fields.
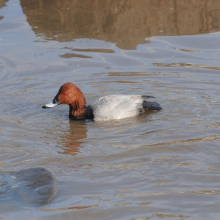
{"x": 104, "y": 108}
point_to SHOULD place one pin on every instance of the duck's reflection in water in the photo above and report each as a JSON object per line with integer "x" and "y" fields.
{"x": 72, "y": 142}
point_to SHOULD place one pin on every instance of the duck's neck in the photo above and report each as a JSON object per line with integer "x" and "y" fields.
{"x": 77, "y": 109}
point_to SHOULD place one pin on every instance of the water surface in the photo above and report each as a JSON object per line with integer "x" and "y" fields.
{"x": 158, "y": 165}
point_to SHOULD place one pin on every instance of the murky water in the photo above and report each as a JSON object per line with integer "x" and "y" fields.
{"x": 155, "y": 166}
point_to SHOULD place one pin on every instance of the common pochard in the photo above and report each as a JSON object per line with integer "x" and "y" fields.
{"x": 104, "y": 108}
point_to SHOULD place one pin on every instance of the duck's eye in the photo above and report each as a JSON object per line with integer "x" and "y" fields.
{"x": 66, "y": 93}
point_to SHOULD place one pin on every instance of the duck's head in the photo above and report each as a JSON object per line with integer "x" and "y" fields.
{"x": 67, "y": 94}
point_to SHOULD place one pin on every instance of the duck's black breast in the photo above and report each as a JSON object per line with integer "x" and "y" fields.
{"x": 89, "y": 112}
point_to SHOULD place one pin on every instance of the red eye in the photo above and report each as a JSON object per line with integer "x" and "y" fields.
{"x": 66, "y": 93}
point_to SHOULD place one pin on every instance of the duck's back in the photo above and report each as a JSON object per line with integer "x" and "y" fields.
{"x": 117, "y": 107}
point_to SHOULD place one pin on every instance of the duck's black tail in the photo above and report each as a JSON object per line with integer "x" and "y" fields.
{"x": 151, "y": 105}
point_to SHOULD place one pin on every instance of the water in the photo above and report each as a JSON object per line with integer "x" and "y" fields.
{"x": 155, "y": 166}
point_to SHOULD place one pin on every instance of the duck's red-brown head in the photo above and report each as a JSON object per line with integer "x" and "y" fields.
{"x": 70, "y": 94}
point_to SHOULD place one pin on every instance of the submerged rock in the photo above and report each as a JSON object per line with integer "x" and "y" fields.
{"x": 31, "y": 186}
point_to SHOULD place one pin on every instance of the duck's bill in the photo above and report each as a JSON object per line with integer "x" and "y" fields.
{"x": 54, "y": 102}
{"x": 49, "y": 105}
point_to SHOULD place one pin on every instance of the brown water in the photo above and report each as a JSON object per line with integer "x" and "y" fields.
{"x": 162, "y": 165}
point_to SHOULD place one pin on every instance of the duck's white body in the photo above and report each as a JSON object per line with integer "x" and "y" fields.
{"x": 117, "y": 107}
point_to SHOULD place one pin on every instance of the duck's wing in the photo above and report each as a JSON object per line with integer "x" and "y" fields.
{"x": 147, "y": 96}
{"x": 116, "y": 107}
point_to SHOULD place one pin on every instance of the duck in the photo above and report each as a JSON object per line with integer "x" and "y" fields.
{"x": 105, "y": 108}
